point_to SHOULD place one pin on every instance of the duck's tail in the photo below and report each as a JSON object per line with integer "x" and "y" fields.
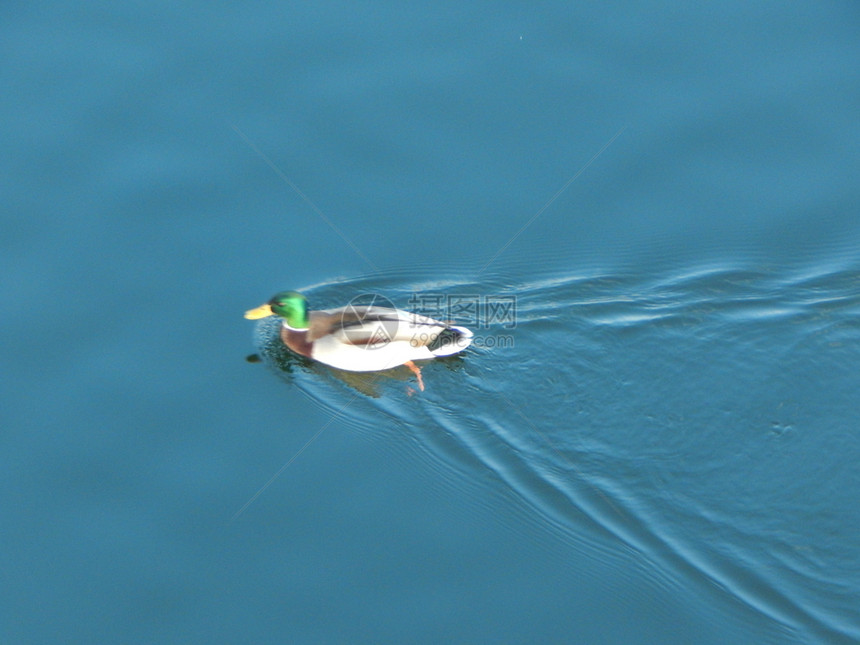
{"x": 450, "y": 340}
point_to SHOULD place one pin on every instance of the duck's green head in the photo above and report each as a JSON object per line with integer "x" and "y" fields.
{"x": 289, "y": 305}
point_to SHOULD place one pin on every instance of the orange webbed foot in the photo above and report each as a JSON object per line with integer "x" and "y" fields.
{"x": 417, "y": 371}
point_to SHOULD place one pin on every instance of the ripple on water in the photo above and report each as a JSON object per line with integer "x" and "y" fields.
{"x": 688, "y": 418}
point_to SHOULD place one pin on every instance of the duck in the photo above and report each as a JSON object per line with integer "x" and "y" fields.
{"x": 362, "y": 338}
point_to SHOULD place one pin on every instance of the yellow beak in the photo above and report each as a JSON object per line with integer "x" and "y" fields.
{"x": 260, "y": 312}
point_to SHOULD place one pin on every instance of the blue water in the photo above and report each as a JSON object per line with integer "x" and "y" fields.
{"x": 659, "y": 445}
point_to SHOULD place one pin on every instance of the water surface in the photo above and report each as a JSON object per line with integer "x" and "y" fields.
{"x": 665, "y": 451}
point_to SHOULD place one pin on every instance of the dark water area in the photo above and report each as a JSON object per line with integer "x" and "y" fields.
{"x": 648, "y": 216}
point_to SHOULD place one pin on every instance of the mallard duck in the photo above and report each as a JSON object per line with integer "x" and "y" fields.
{"x": 362, "y": 338}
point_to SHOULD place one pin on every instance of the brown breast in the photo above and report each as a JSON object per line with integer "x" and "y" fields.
{"x": 296, "y": 341}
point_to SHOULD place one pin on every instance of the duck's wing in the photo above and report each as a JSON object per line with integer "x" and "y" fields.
{"x": 349, "y": 323}
{"x": 321, "y": 323}
{"x": 363, "y": 325}
{"x": 359, "y": 325}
